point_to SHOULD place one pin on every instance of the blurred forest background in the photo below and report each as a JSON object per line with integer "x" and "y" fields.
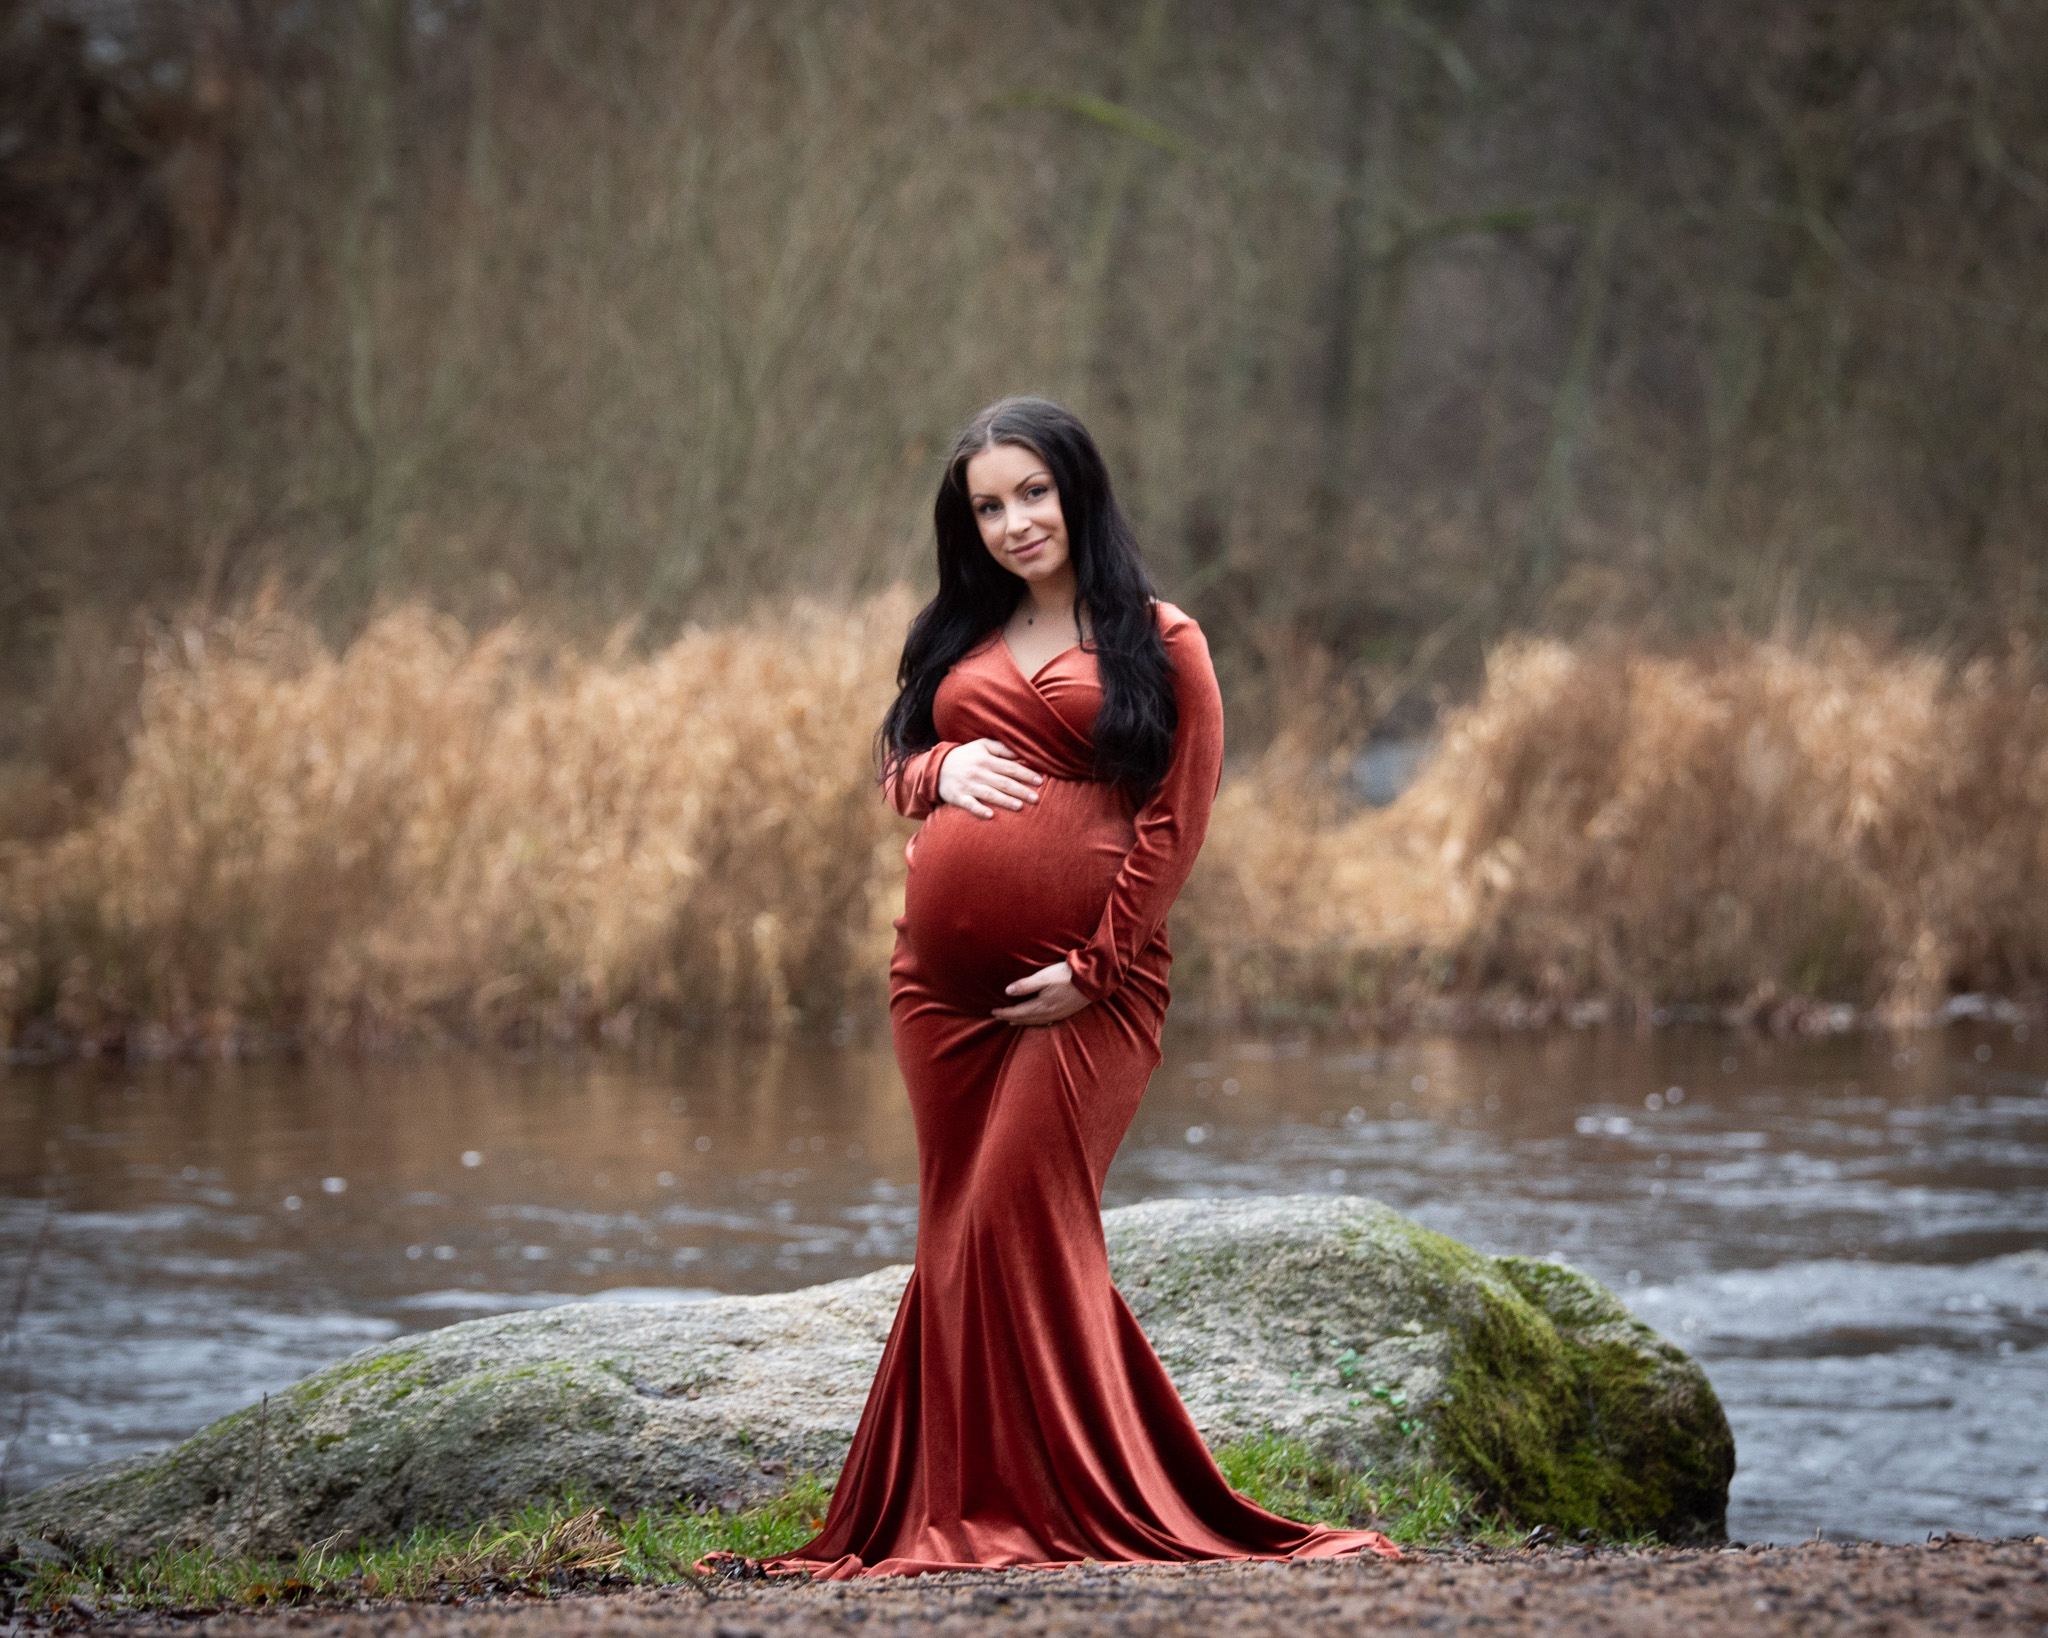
{"x": 1402, "y": 322}
{"x": 1413, "y": 329}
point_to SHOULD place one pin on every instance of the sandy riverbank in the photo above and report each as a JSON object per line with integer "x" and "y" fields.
{"x": 1954, "y": 1585}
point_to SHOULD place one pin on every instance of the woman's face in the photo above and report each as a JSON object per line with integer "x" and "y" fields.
{"x": 1017, "y": 509}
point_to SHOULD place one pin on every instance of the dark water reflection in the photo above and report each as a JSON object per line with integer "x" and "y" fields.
{"x": 1852, "y": 1233}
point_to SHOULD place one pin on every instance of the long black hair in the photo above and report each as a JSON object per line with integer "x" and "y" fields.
{"x": 1134, "y": 729}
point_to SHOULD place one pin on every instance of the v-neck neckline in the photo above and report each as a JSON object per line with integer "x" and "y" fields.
{"x": 1016, "y": 665}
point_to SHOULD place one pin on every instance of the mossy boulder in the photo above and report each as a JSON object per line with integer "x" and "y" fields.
{"x": 1332, "y": 1321}
{"x": 1379, "y": 1344}
{"x": 631, "y": 1404}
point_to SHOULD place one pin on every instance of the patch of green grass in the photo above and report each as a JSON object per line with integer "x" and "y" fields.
{"x": 663, "y": 1546}
{"x": 542, "y": 1549}
{"x": 1417, "y": 1506}
{"x": 555, "y": 1546}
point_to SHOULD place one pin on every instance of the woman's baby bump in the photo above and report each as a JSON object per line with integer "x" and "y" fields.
{"x": 989, "y": 900}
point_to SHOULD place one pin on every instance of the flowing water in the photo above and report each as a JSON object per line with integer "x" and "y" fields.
{"x": 1851, "y": 1234}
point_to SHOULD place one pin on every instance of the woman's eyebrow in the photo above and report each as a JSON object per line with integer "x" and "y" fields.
{"x": 975, "y": 496}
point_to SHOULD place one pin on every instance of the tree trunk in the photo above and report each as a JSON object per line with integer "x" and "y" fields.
{"x": 375, "y": 62}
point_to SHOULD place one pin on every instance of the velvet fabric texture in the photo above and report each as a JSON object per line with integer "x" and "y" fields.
{"x": 1019, "y": 1416}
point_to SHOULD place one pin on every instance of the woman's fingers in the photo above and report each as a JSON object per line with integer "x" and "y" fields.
{"x": 1041, "y": 1009}
{"x": 1049, "y": 995}
{"x": 982, "y": 776}
{"x": 1005, "y": 793}
{"x": 1002, "y": 760}
{"x": 989, "y": 793}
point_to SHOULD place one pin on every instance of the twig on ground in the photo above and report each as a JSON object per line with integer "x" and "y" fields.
{"x": 249, "y": 1510}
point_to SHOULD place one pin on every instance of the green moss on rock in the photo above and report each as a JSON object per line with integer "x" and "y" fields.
{"x": 1639, "y": 1440}
{"x": 1524, "y": 1381}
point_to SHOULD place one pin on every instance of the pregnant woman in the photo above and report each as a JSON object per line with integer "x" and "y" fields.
{"x": 1059, "y": 732}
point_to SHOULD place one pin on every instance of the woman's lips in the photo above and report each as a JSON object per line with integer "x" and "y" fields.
{"x": 1027, "y": 548}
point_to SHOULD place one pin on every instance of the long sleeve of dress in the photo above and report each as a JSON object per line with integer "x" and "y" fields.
{"x": 1170, "y": 826}
{"x": 911, "y": 786}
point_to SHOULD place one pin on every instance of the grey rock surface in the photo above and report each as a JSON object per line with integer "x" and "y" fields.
{"x": 1332, "y": 1321}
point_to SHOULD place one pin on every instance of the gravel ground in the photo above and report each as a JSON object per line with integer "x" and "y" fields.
{"x": 1954, "y": 1585}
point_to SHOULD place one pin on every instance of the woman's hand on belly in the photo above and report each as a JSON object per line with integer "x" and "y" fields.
{"x": 1050, "y": 996}
{"x": 983, "y": 772}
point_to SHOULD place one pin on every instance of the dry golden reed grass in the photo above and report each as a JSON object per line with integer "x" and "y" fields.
{"x": 1748, "y": 827}
{"x": 434, "y": 832}
{"x": 438, "y": 834}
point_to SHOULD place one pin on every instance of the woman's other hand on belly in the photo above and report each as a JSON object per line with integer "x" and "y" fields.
{"x": 1049, "y": 995}
{"x": 982, "y": 775}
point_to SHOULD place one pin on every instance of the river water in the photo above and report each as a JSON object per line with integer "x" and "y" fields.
{"x": 1851, "y": 1233}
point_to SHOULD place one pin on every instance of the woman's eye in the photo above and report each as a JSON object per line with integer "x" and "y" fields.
{"x": 1035, "y": 492}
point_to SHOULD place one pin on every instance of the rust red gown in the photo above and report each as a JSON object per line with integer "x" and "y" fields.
{"x": 1019, "y": 1416}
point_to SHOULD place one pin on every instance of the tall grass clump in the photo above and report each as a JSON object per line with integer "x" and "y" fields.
{"x": 1757, "y": 822}
{"x": 1297, "y": 903}
{"x": 431, "y": 831}
{"x": 1742, "y": 827}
